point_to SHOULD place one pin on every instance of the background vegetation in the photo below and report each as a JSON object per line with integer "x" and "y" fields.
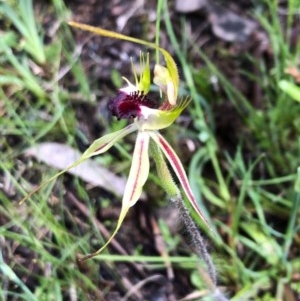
{"x": 239, "y": 141}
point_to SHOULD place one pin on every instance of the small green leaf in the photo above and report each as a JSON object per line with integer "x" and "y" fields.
{"x": 297, "y": 183}
{"x": 262, "y": 243}
{"x": 290, "y": 88}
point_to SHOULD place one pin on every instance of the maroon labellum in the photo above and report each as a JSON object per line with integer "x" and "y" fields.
{"x": 127, "y": 106}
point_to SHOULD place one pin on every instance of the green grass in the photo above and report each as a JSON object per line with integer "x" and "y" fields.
{"x": 251, "y": 194}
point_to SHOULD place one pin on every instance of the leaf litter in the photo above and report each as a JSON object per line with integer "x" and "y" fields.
{"x": 60, "y": 156}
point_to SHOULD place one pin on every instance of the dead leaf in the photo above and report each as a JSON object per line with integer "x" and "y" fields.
{"x": 60, "y": 156}
{"x": 189, "y": 6}
{"x": 229, "y": 26}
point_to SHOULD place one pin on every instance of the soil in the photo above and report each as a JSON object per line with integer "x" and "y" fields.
{"x": 100, "y": 56}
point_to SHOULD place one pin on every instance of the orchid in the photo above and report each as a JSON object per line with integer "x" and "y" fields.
{"x": 133, "y": 102}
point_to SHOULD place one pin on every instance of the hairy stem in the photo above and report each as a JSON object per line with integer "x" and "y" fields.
{"x": 200, "y": 248}
{"x": 196, "y": 238}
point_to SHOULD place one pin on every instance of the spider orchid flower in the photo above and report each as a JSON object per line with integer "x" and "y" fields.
{"x": 132, "y": 102}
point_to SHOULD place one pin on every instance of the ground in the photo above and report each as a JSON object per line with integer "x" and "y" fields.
{"x": 238, "y": 142}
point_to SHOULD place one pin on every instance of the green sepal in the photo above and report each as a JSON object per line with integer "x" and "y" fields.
{"x": 290, "y": 89}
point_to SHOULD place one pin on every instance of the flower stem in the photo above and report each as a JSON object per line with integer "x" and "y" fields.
{"x": 209, "y": 275}
{"x": 197, "y": 240}
{"x": 157, "y": 27}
